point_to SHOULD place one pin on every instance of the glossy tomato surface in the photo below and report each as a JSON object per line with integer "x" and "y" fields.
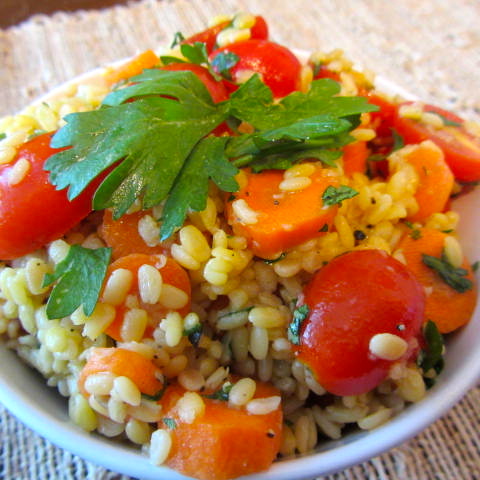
{"x": 460, "y": 147}
{"x": 277, "y": 65}
{"x": 32, "y": 212}
{"x": 354, "y": 297}
{"x": 216, "y": 89}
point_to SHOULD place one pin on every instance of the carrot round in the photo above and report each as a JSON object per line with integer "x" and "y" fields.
{"x": 122, "y": 362}
{"x": 172, "y": 274}
{"x": 225, "y": 442}
{"x": 285, "y": 219}
{"x": 355, "y": 156}
{"x": 445, "y": 306}
{"x": 123, "y": 237}
{"x": 435, "y": 179}
{"x": 135, "y": 66}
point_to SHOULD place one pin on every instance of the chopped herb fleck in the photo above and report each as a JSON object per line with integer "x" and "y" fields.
{"x": 416, "y": 234}
{"x": 157, "y": 396}
{"x": 398, "y": 142}
{"x": 432, "y": 355}
{"x": 194, "y": 334}
{"x": 299, "y": 316}
{"x": 324, "y": 228}
{"x": 450, "y": 230}
{"x": 170, "y": 423}
{"x": 336, "y": 195}
{"x": 475, "y": 265}
{"x": 446, "y": 121}
{"x": 231, "y": 198}
{"x": 453, "y": 277}
{"x": 274, "y": 260}
{"x": 3, "y": 135}
{"x": 224, "y": 62}
{"x": 222, "y": 393}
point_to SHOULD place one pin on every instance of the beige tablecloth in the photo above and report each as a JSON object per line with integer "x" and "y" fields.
{"x": 431, "y": 48}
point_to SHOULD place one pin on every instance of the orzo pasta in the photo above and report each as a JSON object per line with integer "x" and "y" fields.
{"x": 223, "y": 249}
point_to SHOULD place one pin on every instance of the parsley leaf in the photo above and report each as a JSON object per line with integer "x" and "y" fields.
{"x": 336, "y": 195}
{"x": 453, "y": 277}
{"x": 222, "y": 393}
{"x": 475, "y": 266}
{"x": 156, "y": 148}
{"x": 3, "y": 135}
{"x": 235, "y": 312}
{"x": 80, "y": 277}
{"x": 121, "y": 135}
{"x": 157, "y": 396}
{"x": 431, "y": 357}
{"x": 196, "y": 53}
{"x": 223, "y": 62}
{"x": 299, "y": 315}
{"x": 398, "y": 141}
{"x": 170, "y": 423}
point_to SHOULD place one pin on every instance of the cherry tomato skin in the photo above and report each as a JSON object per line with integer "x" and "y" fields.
{"x": 32, "y": 212}
{"x": 278, "y": 66}
{"x": 461, "y": 148}
{"x": 216, "y": 89}
{"x": 354, "y": 297}
{"x": 209, "y": 36}
{"x": 323, "y": 72}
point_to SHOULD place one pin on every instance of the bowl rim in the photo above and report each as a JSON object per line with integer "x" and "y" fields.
{"x": 335, "y": 456}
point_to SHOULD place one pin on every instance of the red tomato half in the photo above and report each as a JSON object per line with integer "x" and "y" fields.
{"x": 33, "y": 212}
{"x": 216, "y": 89}
{"x": 461, "y": 148}
{"x": 354, "y": 297}
{"x": 277, "y": 65}
{"x": 209, "y": 36}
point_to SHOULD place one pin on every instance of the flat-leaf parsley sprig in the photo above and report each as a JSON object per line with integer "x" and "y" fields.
{"x": 150, "y": 140}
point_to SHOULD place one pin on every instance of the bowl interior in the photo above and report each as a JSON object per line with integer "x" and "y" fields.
{"x": 24, "y": 392}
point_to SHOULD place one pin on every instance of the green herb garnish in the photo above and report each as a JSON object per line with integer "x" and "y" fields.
{"x": 224, "y": 62}
{"x": 299, "y": 315}
{"x": 398, "y": 142}
{"x": 3, "y": 135}
{"x": 169, "y": 423}
{"x": 178, "y": 38}
{"x": 156, "y": 148}
{"x": 194, "y": 334}
{"x": 222, "y": 393}
{"x": 156, "y": 396}
{"x": 80, "y": 277}
{"x": 229, "y": 314}
{"x": 446, "y": 121}
{"x": 336, "y": 195}
{"x": 274, "y": 260}
{"x": 452, "y": 276}
{"x": 432, "y": 356}
{"x": 475, "y": 266}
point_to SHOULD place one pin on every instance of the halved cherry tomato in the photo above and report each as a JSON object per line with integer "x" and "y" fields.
{"x": 209, "y": 36}
{"x": 461, "y": 148}
{"x": 277, "y": 65}
{"x": 354, "y": 297}
{"x": 32, "y": 212}
{"x": 216, "y": 89}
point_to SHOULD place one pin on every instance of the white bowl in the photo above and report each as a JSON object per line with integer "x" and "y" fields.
{"x": 23, "y": 391}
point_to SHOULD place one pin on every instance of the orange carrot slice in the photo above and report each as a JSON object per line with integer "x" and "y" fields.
{"x": 436, "y": 179}
{"x": 446, "y": 307}
{"x": 123, "y": 235}
{"x": 284, "y": 219}
{"x": 147, "y": 59}
{"x": 224, "y": 442}
{"x": 122, "y": 362}
{"x": 355, "y": 158}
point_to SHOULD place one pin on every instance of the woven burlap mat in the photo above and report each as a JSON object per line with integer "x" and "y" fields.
{"x": 431, "y": 48}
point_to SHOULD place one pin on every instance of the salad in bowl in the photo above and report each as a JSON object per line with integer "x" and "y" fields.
{"x": 227, "y": 255}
